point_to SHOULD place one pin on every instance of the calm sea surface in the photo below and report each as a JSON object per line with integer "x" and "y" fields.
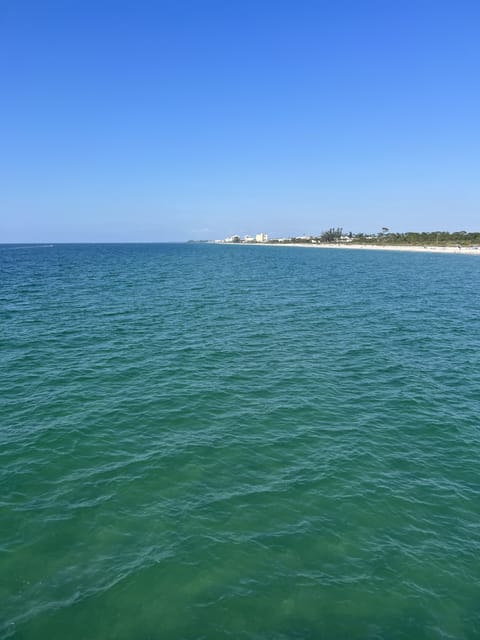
{"x": 208, "y": 442}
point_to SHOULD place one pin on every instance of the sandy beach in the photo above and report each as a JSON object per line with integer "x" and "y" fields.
{"x": 473, "y": 251}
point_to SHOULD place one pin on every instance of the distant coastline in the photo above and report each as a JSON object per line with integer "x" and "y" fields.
{"x": 465, "y": 250}
{"x": 457, "y": 242}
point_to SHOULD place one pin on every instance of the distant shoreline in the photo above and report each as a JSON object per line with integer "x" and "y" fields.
{"x": 473, "y": 251}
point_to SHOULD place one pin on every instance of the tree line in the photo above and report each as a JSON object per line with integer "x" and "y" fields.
{"x": 440, "y": 238}
{"x": 462, "y": 238}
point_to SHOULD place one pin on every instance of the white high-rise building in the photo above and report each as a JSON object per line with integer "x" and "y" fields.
{"x": 261, "y": 237}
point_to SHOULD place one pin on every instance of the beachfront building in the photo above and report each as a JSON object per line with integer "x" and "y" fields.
{"x": 248, "y": 239}
{"x": 261, "y": 237}
{"x": 232, "y": 239}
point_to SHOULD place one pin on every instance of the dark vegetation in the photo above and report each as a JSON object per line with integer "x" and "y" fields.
{"x": 430, "y": 238}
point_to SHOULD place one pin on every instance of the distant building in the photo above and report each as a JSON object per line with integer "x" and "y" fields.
{"x": 261, "y": 237}
{"x": 232, "y": 239}
{"x": 249, "y": 239}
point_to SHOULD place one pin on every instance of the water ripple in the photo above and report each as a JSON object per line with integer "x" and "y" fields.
{"x": 200, "y": 442}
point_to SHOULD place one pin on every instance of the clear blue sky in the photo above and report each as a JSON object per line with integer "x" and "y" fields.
{"x": 177, "y": 119}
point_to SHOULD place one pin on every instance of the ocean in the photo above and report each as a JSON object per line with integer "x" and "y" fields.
{"x": 262, "y": 443}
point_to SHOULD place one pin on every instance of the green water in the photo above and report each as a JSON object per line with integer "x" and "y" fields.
{"x": 205, "y": 442}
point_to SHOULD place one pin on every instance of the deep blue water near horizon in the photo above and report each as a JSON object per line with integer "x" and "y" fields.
{"x": 204, "y": 441}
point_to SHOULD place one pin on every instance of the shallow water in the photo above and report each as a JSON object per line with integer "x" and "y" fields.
{"x": 204, "y": 441}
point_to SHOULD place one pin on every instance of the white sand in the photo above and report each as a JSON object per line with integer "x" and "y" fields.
{"x": 473, "y": 251}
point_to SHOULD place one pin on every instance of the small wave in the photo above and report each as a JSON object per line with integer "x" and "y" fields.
{"x": 26, "y": 246}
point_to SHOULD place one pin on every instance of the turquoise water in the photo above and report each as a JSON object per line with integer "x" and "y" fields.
{"x": 202, "y": 442}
